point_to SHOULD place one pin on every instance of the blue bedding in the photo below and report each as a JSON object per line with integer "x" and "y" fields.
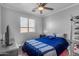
{"x": 60, "y": 44}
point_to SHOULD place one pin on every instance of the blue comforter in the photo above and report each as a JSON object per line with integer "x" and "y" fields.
{"x": 60, "y": 44}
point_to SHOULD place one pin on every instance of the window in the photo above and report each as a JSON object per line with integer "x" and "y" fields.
{"x": 27, "y": 25}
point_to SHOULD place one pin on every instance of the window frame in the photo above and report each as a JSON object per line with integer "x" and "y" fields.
{"x": 28, "y": 27}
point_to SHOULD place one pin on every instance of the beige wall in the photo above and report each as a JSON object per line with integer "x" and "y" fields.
{"x": 12, "y": 18}
{"x": 59, "y": 23}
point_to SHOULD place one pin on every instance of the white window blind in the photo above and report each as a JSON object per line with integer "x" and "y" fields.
{"x": 27, "y": 25}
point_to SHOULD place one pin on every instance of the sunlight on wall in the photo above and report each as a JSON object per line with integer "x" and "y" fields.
{"x": 50, "y": 25}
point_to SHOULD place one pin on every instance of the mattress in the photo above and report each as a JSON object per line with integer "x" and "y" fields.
{"x": 48, "y": 45}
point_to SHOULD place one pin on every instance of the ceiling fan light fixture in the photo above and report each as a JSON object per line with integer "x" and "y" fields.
{"x": 40, "y": 8}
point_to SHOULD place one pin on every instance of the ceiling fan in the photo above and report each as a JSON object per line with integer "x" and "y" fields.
{"x": 41, "y": 7}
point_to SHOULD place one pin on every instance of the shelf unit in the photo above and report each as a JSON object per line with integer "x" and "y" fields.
{"x": 75, "y": 36}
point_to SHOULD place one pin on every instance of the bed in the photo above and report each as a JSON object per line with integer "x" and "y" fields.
{"x": 45, "y": 46}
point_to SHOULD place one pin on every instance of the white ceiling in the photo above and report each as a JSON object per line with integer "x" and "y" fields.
{"x": 27, "y": 7}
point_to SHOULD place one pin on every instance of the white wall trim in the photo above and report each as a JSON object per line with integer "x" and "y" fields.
{"x": 6, "y": 6}
{"x": 46, "y": 14}
{"x": 61, "y": 9}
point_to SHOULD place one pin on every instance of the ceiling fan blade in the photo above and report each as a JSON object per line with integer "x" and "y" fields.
{"x": 34, "y": 10}
{"x": 48, "y": 8}
{"x": 41, "y": 12}
{"x": 43, "y": 4}
{"x": 38, "y": 4}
